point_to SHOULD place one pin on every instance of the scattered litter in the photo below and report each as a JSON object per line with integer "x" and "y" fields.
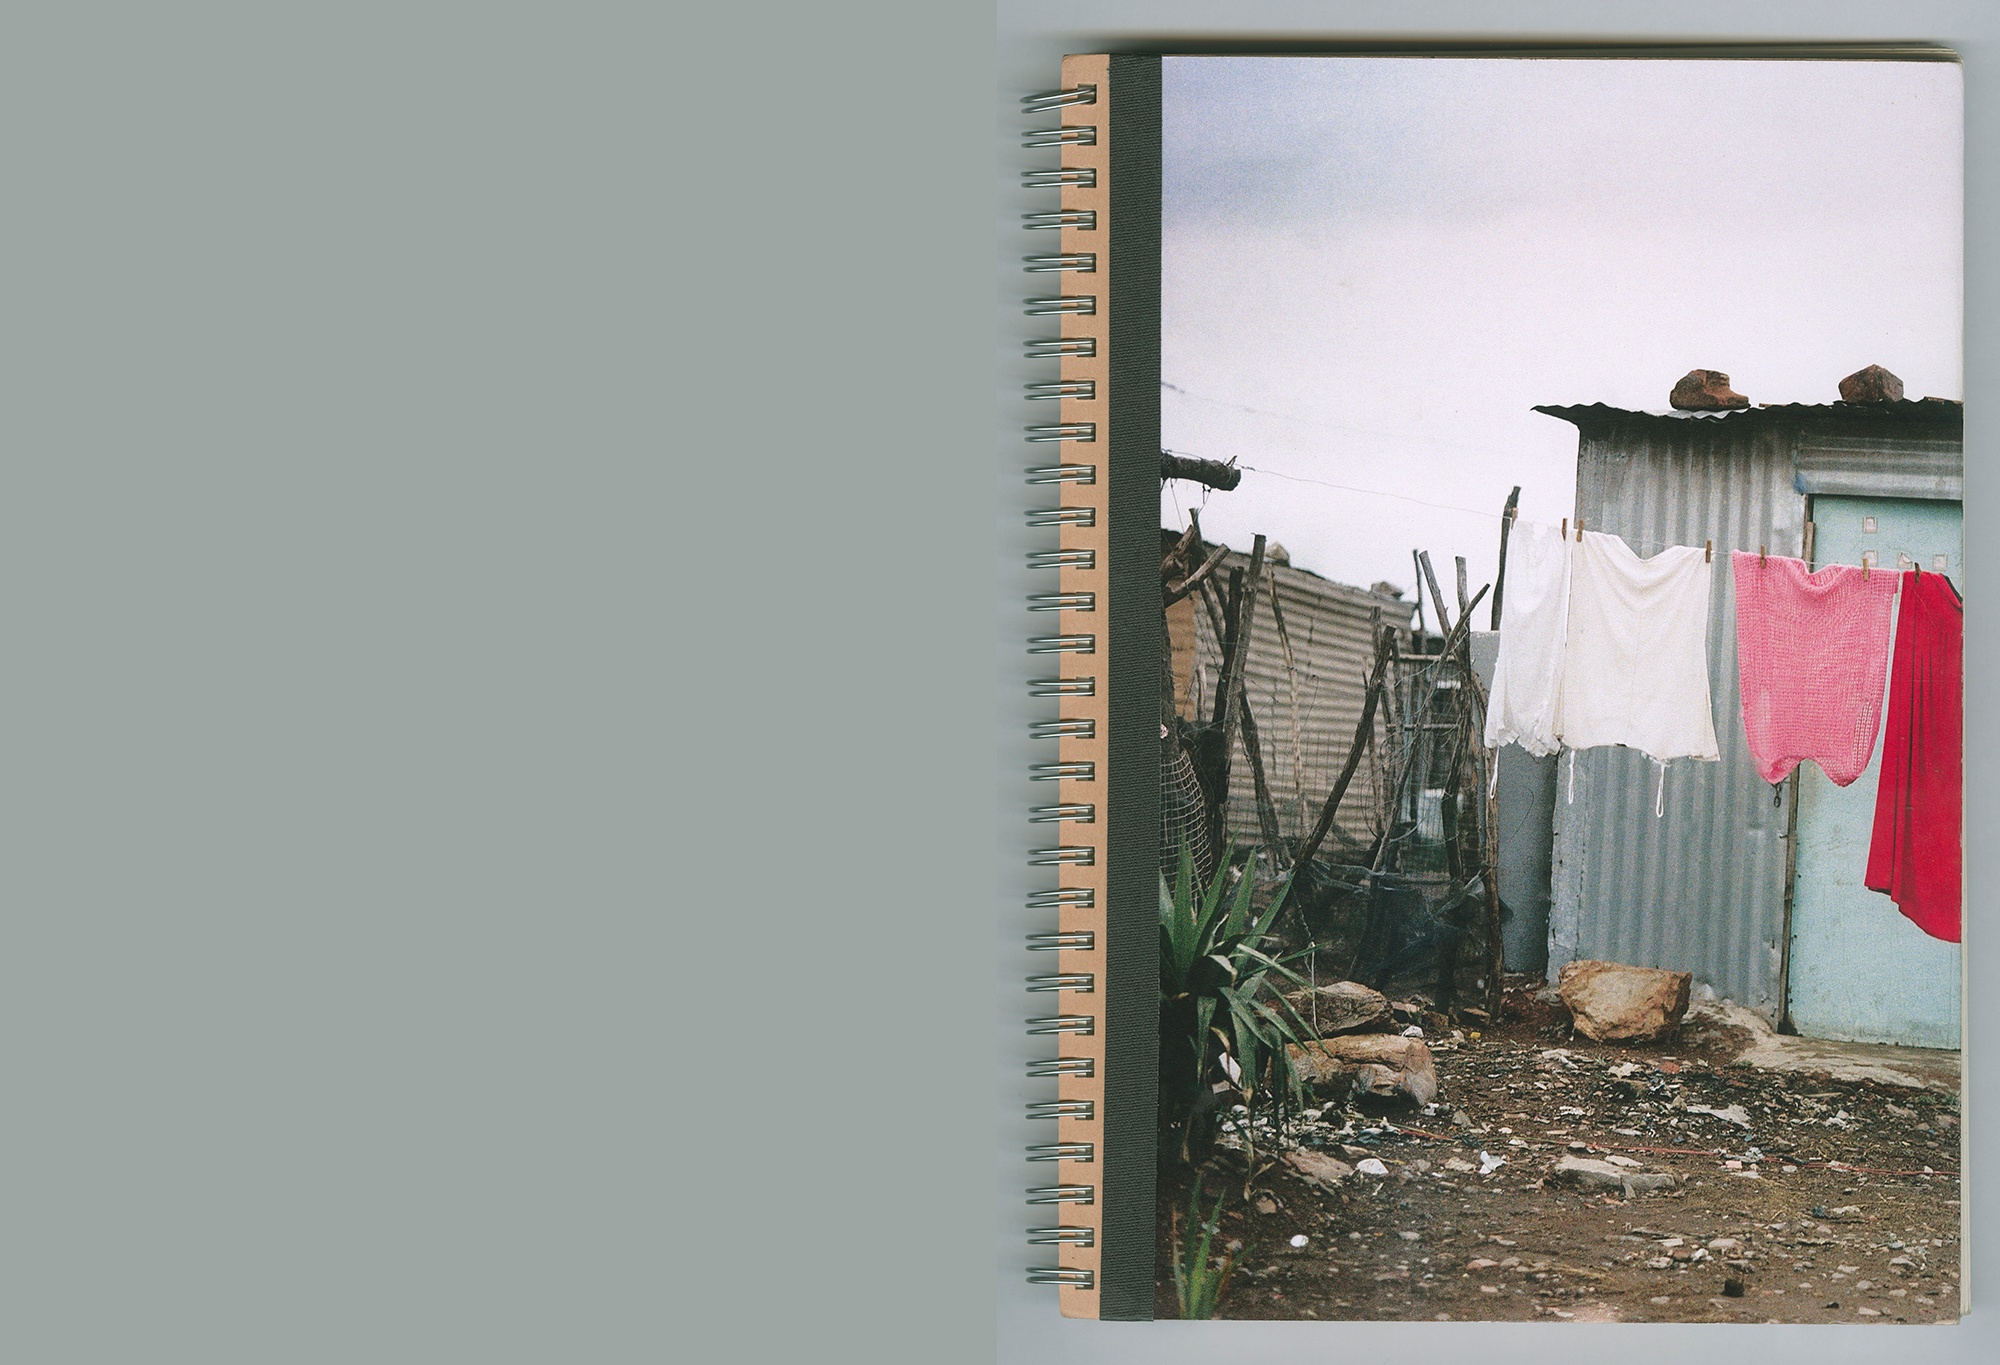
{"x": 1371, "y": 1166}
{"x": 1735, "y": 1113}
{"x": 1488, "y": 1163}
{"x": 1300, "y": 1239}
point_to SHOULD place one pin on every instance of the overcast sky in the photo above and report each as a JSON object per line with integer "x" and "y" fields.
{"x": 1374, "y": 267}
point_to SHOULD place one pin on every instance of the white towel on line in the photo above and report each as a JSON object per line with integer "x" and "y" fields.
{"x": 1534, "y": 626}
{"x": 1635, "y": 671}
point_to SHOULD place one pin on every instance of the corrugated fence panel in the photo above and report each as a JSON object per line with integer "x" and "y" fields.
{"x": 1702, "y": 887}
{"x": 1305, "y": 714}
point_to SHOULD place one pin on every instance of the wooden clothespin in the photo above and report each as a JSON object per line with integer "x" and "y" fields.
{"x": 1761, "y": 560}
{"x": 1708, "y": 552}
{"x": 1565, "y": 528}
{"x": 1579, "y": 530}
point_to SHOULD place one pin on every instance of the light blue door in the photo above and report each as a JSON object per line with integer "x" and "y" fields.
{"x": 1859, "y": 970}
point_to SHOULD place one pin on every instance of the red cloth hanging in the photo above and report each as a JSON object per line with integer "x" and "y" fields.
{"x": 1916, "y": 853}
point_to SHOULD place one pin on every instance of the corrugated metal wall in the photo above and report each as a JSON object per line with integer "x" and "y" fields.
{"x": 1305, "y": 737}
{"x": 1702, "y": 888}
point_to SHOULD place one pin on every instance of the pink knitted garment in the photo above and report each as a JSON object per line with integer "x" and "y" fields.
{"x": 1813, "y": 651}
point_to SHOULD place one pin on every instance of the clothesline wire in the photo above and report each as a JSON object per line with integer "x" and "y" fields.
{"x": 1651, "y": 545}
{"x": 1882, "y": 561}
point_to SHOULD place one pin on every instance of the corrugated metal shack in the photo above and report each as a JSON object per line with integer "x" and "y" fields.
{"x": 1707, "y": 888}
{"x": 1307, "y": 707}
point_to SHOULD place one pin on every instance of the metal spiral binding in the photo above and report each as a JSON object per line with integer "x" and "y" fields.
{"x": 1082, "y": 262}
{"x": 1066, "y": 813}
{"x": 1081, "y": 812}
{"x": 1058, "y": 99}
{"x": 1083, "y": 177}
{"x": 1053, "y": 348}
{"x": 1084, "y": 220}
{"x": 1063, "y": 475}
{"x": 1055, "y": 1274}
{"x": 1063, "y": 1151}
{"x": 1062, "y": 1066}
{"x": 1069, "y": 135}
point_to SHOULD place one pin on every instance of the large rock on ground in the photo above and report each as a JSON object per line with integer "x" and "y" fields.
{"x": 1615, "y": 1003}
{"x": 1706, "y": 391}
{"x": 1343, "y": 1007}
{"x": 1589, "y": 1175}
{"x": 1386, "y": 1064}
{"x": 1872, "y": 384}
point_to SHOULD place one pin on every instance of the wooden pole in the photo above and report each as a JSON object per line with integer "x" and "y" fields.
{"x": 1459, "y": 562}
{"x": 1242, "y": 597}
{"x": 1267, "y": 815}
{"x": 1422, "y": 633}
{"x": 1500, "y": 575}
{"x": 1489, "y": 854}
{"x": 1437, "y": 597}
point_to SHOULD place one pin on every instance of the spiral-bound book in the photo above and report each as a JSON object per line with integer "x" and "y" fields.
{"x": 1503, "y": 794}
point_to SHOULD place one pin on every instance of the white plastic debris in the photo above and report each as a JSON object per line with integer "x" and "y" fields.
{"x": 1735, "y": 1113}
{"x": 1371, "y": 1166}
{"x": 1489, "y": 1163}
{"x": 1300, "y": 1239}
{"x": 1231, "y": 1069}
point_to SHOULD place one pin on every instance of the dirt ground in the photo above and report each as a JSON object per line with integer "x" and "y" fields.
{"x": 1808, "y": 1199}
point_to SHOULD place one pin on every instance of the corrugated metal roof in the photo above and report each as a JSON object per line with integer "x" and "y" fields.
{"x": 1904, "y": 411}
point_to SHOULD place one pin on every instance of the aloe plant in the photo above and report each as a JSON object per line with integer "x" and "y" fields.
{"x": 1199, "y": 1285}
{"x": 1214, "y": 1017}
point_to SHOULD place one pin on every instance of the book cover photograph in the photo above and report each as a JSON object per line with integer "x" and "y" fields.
{"x": 1506, "y": 756}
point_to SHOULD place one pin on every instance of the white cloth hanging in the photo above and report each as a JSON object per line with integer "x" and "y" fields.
{"x": 1636, "y": 668}
{"x": 1534, "y": 625}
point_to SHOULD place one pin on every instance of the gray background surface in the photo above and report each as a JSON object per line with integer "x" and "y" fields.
{"x": 510, "y": 549}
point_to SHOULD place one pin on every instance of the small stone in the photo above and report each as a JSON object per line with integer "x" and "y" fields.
{"x": 1300, "y": 1239}
{"x": 1371, "y": 1166}
{"x": 1480, "y": 1263}
{"x": 1316, "y": 1167}
{"x": 1869, "y": 1312}
{"x": 1489, "y": 1289}
{"x": 1705, "y": 391}
{"x": 1871, "y": 384}
{"x": 1733, "y": 1288}
{"x": 1659, "y": 1263}
{"x": 1266, "y": 1204}
{"x": 1661, "y": 1298}
{"x": 1409, "y": 1236}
